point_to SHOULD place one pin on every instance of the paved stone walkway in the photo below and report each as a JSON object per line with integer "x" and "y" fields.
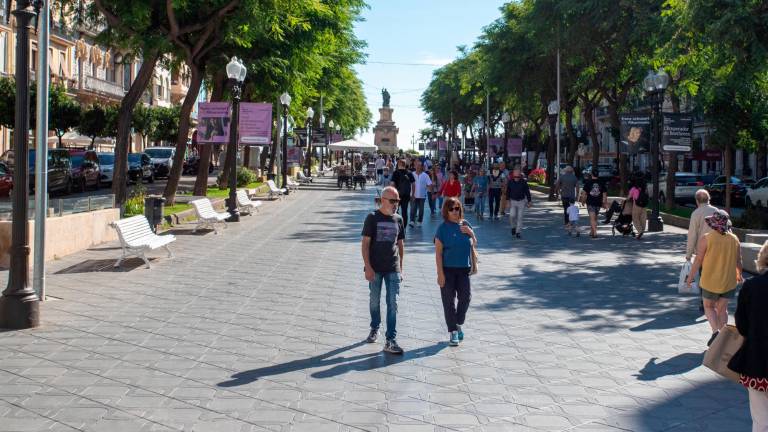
{"x": 260, "y": 328}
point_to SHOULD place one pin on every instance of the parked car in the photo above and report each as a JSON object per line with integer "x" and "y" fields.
{"x": 757, "y": 195}
{"x": 739, "y": 188}
{"x": 162, "y": 159}
{"x": 140, "y": 168}
{"x": 85, "y": 169}
{"x": 605, "y": 171}
{"x": 686, "y": 185}
{"x": 6, "y": 180}
{"x": 107, "y": 165}
{"x": 192, "y": 165}
{"x": 59, "y": 169}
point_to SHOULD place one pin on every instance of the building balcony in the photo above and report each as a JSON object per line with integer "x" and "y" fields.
{"x": 178, "y": 91}
{"x": 102, "y": 87}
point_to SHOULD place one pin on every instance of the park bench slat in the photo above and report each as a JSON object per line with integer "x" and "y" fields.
{"x": 136, "y": 237}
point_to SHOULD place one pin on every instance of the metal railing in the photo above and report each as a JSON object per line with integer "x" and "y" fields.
{"x": 96, "y": 84}
{"x": 63, "y": 206}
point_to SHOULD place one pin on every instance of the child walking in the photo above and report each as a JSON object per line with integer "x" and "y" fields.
{"x": 573, "y": 219}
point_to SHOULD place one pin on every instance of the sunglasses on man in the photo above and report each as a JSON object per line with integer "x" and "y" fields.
{"x": 393, "y": 201}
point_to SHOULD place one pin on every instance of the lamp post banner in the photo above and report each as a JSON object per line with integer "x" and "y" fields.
{"x": 294, "y": 153}
{"x": 336, "y": 138}
{"x": 441, "y": 145}
{"x": 255, "y": 123}
{"x": 497, "y": 146}
{"x": 213, "y": 122}
{"x": 635, "y": 133}
{"x": 515, "y": 147}
{"x": 677, "y": 132}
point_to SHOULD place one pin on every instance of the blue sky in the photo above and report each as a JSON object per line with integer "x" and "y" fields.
{"x": 415, "y": 31}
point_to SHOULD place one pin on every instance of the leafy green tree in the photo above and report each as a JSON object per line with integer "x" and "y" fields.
{"x": 145, "y": 122}
{"x": 7, "y": 102}
{"x": 64, "y": 112}
{"x": 93, "y": 122}
{"x": 168, "y": 120}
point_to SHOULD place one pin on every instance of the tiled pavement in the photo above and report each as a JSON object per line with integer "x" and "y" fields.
{"x": 260, "y": 328}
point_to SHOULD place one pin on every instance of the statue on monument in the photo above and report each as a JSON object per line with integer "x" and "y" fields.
{"x": 385, "y": 96}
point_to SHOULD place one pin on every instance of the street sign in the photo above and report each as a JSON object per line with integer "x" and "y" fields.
{"x": 677, "y": 132}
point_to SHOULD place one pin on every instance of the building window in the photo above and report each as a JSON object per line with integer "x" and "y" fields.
{"x": 3, "y": 17}
{"x": 3, "y": 48}
{"x": 34, "y": 60}
{"x": 62, "y": 64}
{"x": 126, "y": 77}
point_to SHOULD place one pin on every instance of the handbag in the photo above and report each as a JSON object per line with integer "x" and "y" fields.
{"x": 682, "y": 287}
{"x": 725, "y": 345}
{"x": 474, "y": 258}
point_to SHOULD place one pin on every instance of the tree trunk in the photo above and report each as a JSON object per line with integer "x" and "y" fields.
{"x": 588, "y": 110}
{"x": 124, "y": 120}
{"x": 276, "y": 139}
{"x": 671, "y": 170}
{"x": 621, "y": 159}
{"x": 728, "y": 169}
{"x": 762, "y": 153}
{"x": 206, "y": 150}
{"x": 551, "y": 150}
{"x": 181, "y": 141}
{"x": 573, "y": 143}
{"x": 62, "y": 145}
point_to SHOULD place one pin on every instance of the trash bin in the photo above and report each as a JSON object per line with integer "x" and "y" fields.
{"x": 153, "y": 210}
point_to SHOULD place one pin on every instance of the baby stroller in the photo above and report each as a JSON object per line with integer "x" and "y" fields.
{"x": 623, "y": 223}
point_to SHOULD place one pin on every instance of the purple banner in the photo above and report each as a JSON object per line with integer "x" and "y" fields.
{"x": 336, "y": 138}
{"x": 213, "y": 122}
{"x": 255, "y": 123}
{"x": 496, "y": 146}
{"x": 515, "y": 147}
{"x": 441, "y": 145}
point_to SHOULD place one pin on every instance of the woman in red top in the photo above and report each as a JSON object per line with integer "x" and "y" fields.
{"x": 452, "y": 188}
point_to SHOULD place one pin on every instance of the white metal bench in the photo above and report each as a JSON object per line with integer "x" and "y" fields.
{"x": 303, "y": 178}
{"x": 207, "y": 217}
{"x": 274, "y": 191}
{"x": 245, "y": 204}
{"x": 292, "y": 185}
{"x": 136, "y": 237}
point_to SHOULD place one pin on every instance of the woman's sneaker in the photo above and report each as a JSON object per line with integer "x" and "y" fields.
{"x": 454, "y": 340}
{"x": 392, "y": 347}
{"x": 373, "y": 336}
{"x": 460, "y": 332}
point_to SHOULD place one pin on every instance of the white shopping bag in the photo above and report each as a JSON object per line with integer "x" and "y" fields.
{"x": 682, "y": 287}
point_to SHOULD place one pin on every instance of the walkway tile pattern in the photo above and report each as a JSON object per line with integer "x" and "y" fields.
{"x": 259, "y": 328}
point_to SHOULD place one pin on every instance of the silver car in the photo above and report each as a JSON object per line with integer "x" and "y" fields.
{"x": 107, "y": 164}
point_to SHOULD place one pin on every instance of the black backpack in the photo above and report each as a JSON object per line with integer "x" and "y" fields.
{"x": 403, "y": 183}
{"x": 643, "y": 198}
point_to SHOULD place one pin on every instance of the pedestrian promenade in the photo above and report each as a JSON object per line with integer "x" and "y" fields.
{"x": 261, "y": 328}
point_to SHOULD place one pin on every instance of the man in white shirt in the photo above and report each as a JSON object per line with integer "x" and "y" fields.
{"x": 697, "y": 227}
{"x": 419, "y": 193}
{"x": 380, "y": 162}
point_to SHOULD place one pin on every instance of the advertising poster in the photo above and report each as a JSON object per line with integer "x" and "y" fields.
{"x": 469, "y": 143}
{"x": 515, "y": 147}
{"x": 213, "y": 122}
{"x": 495, "y": 146}
{"x": 635, "y": 133}
{"x": 255, "y": 123}
{"x": 677, "y": 132}
{"x": 441, "y": 145}
{"x": 294, "y": 153}
{"x": 336, "y": 138}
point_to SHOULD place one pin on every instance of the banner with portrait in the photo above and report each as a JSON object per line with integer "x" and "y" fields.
{"x": 515, "y": 147}
{"x": 213, "y": 120}
{"x": 495, "y": 146}
{"x": 635, "y": 133}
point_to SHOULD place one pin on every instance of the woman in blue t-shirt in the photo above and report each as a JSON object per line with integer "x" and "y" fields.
{"x": 454, "y": 240}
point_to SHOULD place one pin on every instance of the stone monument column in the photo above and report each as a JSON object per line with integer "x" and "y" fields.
{"x": 385, "y": 132}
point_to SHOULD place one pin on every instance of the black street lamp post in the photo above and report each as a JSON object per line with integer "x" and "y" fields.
{"x": 19, "y": 305}
{"x": 236, "y": 73}
{"x": 552, "y": 110}
{"x": 310, "y": 117}
{"x": 654, "y": 85}
{"x": 285, "y": 101}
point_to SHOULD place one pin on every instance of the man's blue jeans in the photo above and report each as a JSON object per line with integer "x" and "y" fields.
{"x": 392, "y": 280}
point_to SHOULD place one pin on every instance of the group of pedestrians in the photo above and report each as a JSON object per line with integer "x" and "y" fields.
{"x": 383, "y": 250}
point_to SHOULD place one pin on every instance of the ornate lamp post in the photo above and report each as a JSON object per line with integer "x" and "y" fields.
{"x": 328, "y": 132}
{"x": 236, "y": 71}
{"x": 285, "y": 101}
{"x": 654, "y": 85}
{"x": 553, "y": 110}
{"x": 19, "y": 305}
{"x": 463, "y": 129}
{"x": 310, "y": 117}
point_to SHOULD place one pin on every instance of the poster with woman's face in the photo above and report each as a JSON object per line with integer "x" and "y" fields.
{"x": 213, "y": 122}
{"x": 635, "y": 133}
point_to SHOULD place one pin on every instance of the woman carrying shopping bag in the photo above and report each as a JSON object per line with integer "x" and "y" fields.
{"x": 454, "y": 243}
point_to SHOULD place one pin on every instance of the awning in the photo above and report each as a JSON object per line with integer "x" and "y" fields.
{"x": 75, "y": 139}
{"x": 353, "y": 145}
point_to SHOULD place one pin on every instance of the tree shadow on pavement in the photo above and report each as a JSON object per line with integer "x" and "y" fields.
{"x": 339, "y": 365}
{"x": 676, "y": 365}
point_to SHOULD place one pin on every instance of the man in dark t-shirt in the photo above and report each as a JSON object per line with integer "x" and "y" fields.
{"x": 383, "y": 249}
{"x": 403, "y": 180}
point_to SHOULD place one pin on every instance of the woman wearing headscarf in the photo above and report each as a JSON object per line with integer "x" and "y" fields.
{"x": 751, "y": 360}
{"x": 719, "y": 258}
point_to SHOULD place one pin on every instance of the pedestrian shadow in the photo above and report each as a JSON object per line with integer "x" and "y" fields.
{"x": 378, "y": 361}
{"x": 671, "y": 319}
{"x": 676, "y": 365}
{"x": 339, "y": 365}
